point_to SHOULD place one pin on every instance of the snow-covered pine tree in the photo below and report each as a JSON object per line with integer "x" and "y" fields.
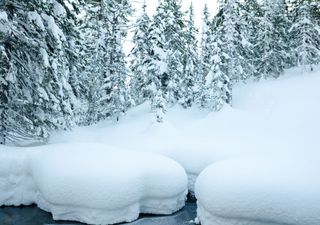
{"x": 113, "y": 96}
{"x": 94, "y": 38}
{"x": 36, "y": 80}
{"x": 273, "y": 26}
{"x": 69, "y": 14}
{"x": 175, "y": 37}
{"x": 59, "y": 29}
{"x": 159, "y": 106}
{"x": 140, "y": 89}
{"x": 78, "y": 34}
{"x": 4, "y": 72}
{"x": 231, "y": 40}
{"x": 156, "y": 64}
{"x": 205, "y": 50}
{"x": 305, "y": 36}
{"x": 191, "y": 80}
{"x": 23, "y": 72}
{"x": 20, "y": 54}
{"x": 249, "y": 27}
{"x": 216, "y": 90}
{"x": 226, "y": 56}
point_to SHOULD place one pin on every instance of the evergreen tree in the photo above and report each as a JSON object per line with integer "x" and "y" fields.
{"x": 92, "y": 58}
{"x": 250, "y": 15}
{"x": 36, "y": 80}
{"x": 159, "y": 106}
{"x": 231, "y": 40}
{"x": 140, "y": 59}
{"x": 205, "y": 47}
{"x": 217, "y": 89}
{"x": 56, "y": 61}
{"x": 305, "y": 36}
{"x": 109, "y": 92}
{"x": 164, "y": 59}
{"x": 67, "y": 17}
{"x": 273, "y": 26}
{"x": 226, "y": 59}
{"x": 116, "y": 91}
{"x": 156, "y": 64}
{"x": 175, "y": 38}
{"x": 4, "y": 72}
{"x": 190, "y": 82}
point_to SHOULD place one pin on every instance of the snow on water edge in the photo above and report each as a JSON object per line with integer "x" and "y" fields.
{"x": 260, "y": 190}
{"x": 92, "y": 183}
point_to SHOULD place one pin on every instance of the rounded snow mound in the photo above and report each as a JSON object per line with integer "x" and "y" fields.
{"x": 256, "y": 191}
{"x": 94, "y": 184}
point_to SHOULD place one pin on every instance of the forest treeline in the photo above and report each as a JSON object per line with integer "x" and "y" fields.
{"x": 62, "y": 62}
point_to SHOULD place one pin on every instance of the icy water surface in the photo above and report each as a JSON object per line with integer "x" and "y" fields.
{"x": 32, "y": 215}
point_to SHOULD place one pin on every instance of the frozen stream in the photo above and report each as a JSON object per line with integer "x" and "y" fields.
{"x": 32, "y": 215}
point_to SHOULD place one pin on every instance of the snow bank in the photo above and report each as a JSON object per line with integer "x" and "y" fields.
{"x": 92, "y": 183}
{"x": 16, "y": 185}
{"x": 276, "y": 117}
{"x": 260, "y": 191}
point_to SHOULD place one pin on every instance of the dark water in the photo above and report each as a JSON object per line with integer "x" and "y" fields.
{"x": 32, "y": 215}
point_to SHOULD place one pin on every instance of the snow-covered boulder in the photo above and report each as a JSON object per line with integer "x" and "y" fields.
{"x": 260, "y": 191}
{"x": 93, "y": 184}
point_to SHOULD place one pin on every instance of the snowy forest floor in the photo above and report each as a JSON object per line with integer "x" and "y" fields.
{"x": 273, "y": 119}
{"x": 269, "y": 117}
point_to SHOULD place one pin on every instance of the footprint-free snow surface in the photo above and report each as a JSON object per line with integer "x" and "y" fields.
{"x": 268, "y": 116}
{"x": 260, "y": 191}
{"x": 264, "y": 143}
{"x": 92, "y": 183}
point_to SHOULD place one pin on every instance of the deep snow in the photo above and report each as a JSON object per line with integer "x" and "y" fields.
{"x": 92, "y": 183}
{"x": 16, "y": 185}
{"x": 260, "y": 190}
{"x": 275, "y": 116}
{"x": 273, "y": 120}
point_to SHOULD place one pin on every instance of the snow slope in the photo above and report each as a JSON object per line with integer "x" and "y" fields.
{"x": 277, "y": 183}
{"x": 92, "y": 183}
{"x": 274, "y": 120}
{"x": 260, "y": 191}
{"x": 277, "y": 116}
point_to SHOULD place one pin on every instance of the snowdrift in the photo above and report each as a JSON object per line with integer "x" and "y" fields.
{"x": 275, "y": 116}
{"x": 92, "y": 183}
{"x": 16, "y": 184}
{"x": 264, "y": 150}
{"x": 260, "y": 191}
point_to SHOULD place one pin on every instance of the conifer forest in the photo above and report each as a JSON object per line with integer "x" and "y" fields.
{"x": 63, "y": 62}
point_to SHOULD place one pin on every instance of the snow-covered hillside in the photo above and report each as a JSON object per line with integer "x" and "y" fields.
{"x": 272, "y": 127}
{"x": 279, "y": 116}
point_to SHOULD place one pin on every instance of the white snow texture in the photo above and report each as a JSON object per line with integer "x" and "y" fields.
{"x": 264, "y": 150}
{"x": 260, "y": 191}
{"x": 92, "y": 183}
{"x": 278, "y": 183}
